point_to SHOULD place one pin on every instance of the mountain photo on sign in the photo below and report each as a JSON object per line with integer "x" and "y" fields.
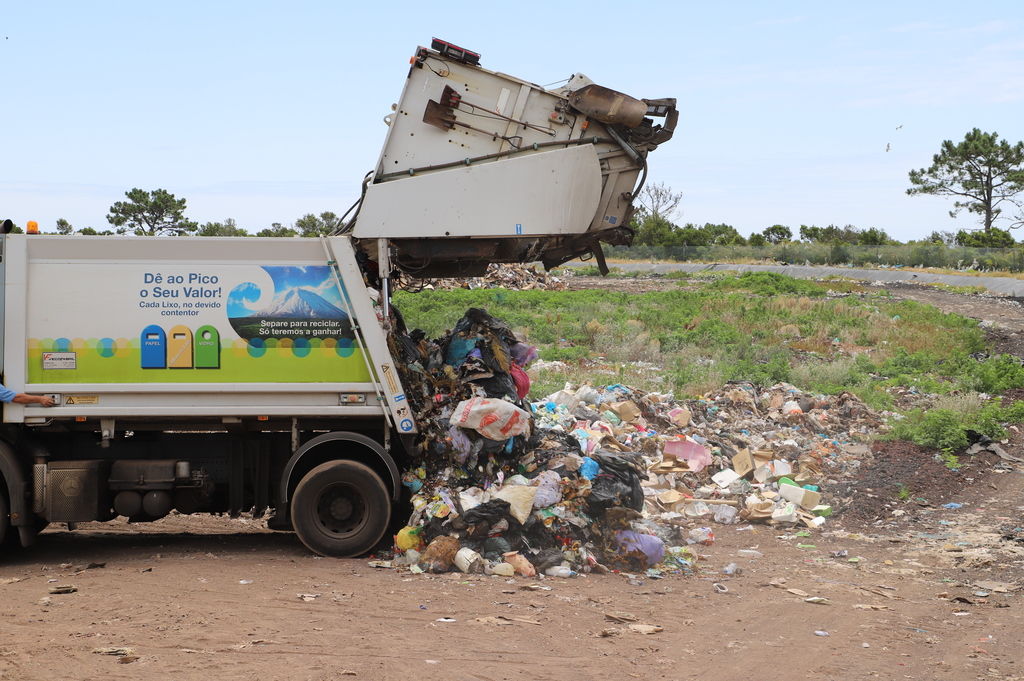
{"x": 305, "y": 304}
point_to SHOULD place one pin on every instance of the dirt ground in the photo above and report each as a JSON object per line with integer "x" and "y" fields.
{"x": 915, "y": 590}
{"x": 200, "y": 598}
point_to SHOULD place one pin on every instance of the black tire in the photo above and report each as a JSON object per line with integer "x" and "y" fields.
{"x": 340, "y": 509}
{"x": 5, "y": 515}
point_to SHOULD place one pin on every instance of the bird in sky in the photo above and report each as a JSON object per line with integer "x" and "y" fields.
{"x": 888, "y": 146}
{"x": 899, "y": 126}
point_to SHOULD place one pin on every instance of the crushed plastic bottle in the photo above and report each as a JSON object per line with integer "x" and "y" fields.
{"x": 732, "y": 569}
{"x": 701, "y": 535}
{"x": 726, "y": 515}
{"x": 559, "y": 571}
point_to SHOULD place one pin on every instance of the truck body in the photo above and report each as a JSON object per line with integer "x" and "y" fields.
{"x": 229, "y": 375}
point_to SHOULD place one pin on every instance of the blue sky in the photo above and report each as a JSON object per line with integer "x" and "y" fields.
{"x": 262, "y": 111}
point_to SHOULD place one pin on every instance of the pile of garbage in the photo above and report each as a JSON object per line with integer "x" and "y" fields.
{"x": 595, "y": 479}
{"x": 521, "y": 277}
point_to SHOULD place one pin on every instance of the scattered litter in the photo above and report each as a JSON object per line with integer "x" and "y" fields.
{"x": 510, "y": 276}
{"x": 114, "y": 651}
{"x": 621, "y": 617}
{"x": 445, "y": 619}
{"x": 998, "y": 587}
{"x": 821, "y": 632}
{"x": 986, "y": 444}
{"x": 501, "y": 620}
{"x": 646, "y": 628}
{"x": 63, "y": 589}
{"x": 593, "y": 479}
{"x": 308, "y": 598}
{"x": 245, "y": 581}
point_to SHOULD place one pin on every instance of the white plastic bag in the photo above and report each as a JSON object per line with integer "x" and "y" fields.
{"x": 548, "y": 491}
{"x": 494, "y": 419}
{"x": 520, "y": 500}
{"x": 726, "y": 514}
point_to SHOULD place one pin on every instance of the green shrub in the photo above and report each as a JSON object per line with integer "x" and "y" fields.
{"x": 993, "y": 375}
{"x": 768, "y": 284}
{"x": 947, "y": 429}
{"x": 571, "y": 354}
{"x": 713, "y": 332}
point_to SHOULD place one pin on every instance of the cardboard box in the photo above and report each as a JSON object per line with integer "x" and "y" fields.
{"x": 743, "y": 463}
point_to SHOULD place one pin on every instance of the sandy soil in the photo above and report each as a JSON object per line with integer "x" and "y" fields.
{"x": 919, "y": 594}
{"x": 203, "y": 597}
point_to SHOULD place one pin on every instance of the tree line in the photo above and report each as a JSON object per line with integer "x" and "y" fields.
{"x": 983, "y": 174}
{"x": 161, "y": 213}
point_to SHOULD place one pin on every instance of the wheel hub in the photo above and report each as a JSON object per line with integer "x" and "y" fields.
{"x": 341, "y": 510}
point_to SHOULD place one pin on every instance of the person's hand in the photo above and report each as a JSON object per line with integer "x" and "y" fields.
{"x": 46, "y": 401}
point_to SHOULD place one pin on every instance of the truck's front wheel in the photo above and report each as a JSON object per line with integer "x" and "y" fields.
{"x": 5, "y": 517}
{"x": 340, "y": 509}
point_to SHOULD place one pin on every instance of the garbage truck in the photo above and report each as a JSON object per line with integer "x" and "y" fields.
{"x": 229, "y": 375}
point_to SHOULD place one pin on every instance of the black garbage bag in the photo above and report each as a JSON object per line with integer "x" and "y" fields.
{"x": 490, "y": 512}
{"x": 546, "y": 558}
{"x": 433, "y": 528}
{"x": 493, "y": 338}
{"x": 499, "y": 386}
{"x": 476, "y": 319}
{"x": 618, "y": 483}
{"x": 554, "y": 440}
{"x": 607, "y": 491}
{"x": 495, "y": 547}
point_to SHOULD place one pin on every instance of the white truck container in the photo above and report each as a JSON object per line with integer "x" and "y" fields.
{"x": 245, "y": 374}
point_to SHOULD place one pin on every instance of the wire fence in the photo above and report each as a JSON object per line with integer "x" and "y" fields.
{"x": 902, "y": 255}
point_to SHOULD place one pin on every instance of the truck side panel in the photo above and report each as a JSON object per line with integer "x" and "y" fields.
{"x": 114, "y": 325}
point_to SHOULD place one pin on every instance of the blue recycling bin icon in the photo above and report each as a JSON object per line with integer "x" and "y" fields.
{"x": 153, "y": 343}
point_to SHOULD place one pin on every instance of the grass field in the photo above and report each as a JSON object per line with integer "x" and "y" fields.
{"x": 762, "y": 327}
